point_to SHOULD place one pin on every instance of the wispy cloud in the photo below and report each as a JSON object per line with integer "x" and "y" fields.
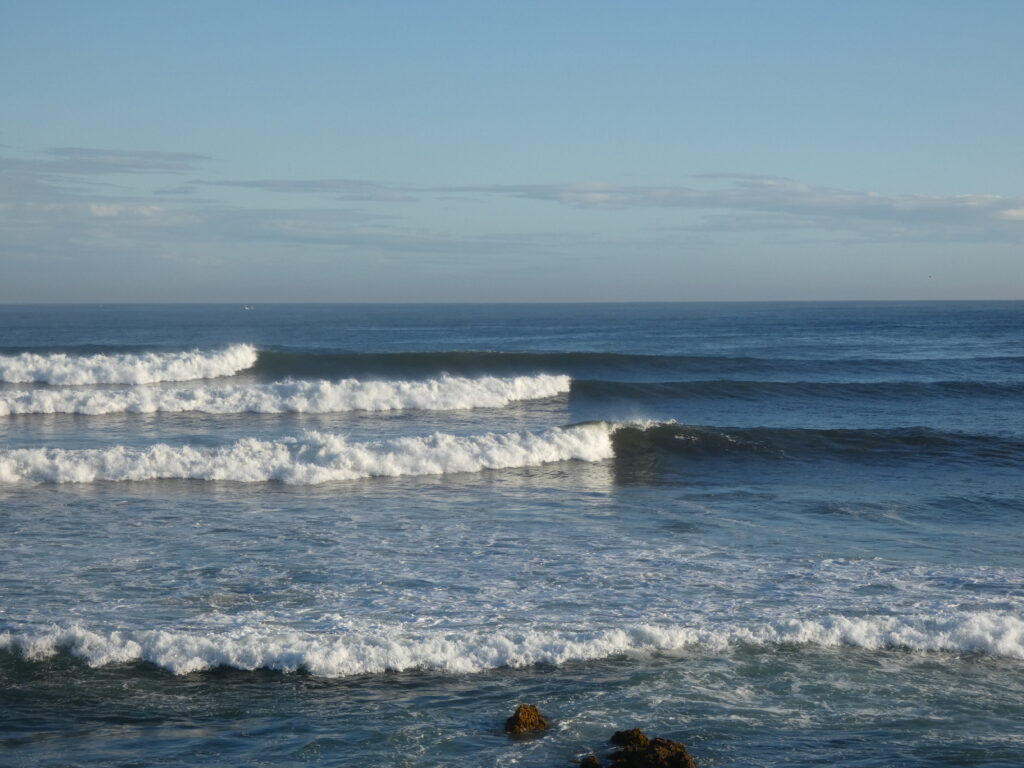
{"x": 89, "y": 160}
{"x": 79, "y": 198}
{"x": 341, "y": 189}
{"x": 86, "y": 160}
{"x": 180, "y": 231}
{"x": 77, "y": 173}
{"x": 739, "y": 176}
{"x": 793, "y": 204}
{"x": 181, "y": 189}
{"x": 770, "y": 195}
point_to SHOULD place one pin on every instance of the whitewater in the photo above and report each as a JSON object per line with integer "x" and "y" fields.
{"x": 446, "y": 393}
{"x": 310, "y": 459}
{"x": 397, "y": 650}
{"x": 126, "y": 368}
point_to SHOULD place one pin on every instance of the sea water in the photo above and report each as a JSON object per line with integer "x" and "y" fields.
{"x": 786, "y": 534}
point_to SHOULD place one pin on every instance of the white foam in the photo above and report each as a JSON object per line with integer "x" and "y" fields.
{"x": 314, "y": 458}
{"x": 144, "y": 368}
{"x": 989, "y": 632}
{"x": 441, "y": 394}
{"x": 393, "y": 649}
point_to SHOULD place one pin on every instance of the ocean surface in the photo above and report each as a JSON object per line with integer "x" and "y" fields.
{"x": 785, "y": 534}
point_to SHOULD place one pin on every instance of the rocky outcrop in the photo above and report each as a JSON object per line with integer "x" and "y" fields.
{"x": 634, "y": 738}
{"x": 527, "y": 718}
{"x": 640, "y": 751}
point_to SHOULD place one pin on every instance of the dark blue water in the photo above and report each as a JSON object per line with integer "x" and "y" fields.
{"x": 360, "y": 535}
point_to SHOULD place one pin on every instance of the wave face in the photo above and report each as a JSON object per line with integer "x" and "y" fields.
{"x": 916, "y": 443}
{"x": 754, "y": 390}
{"x": 143, "y": 368}
{"x": 444, "y": 394}
{"x": 312, "y": 459}
{"x": 339, "y": 655}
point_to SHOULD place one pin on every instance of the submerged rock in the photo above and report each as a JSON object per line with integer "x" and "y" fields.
{"x": 590, "y": 761}
{"x": 527, "y": 718}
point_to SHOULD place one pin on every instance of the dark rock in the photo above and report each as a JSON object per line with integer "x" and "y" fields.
{"x": 590, "y": 761}
{"x": 642, "y": 752}
{"x": 634, "y": 737}
{"x": 526, "y": 718}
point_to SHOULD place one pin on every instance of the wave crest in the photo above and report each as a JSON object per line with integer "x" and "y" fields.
{"x": 446, "y": 393}
{"x": 346, "y": 654}
{"x": 314, "y": 458}
{"x": 142, "y": 368}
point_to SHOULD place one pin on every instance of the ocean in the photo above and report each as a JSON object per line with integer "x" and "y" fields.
{"x": 360, "y": 535}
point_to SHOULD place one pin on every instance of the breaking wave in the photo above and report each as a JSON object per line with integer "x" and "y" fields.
{"x": 318, "y": 457}
{"x": 311, "y": 459}
{"x": 442, "y": 394}
{"x": 599, "y": 372}
{"x": 142, "y": 368}
{"x": 281, "y": 363}
{"x": 354, "y": 653}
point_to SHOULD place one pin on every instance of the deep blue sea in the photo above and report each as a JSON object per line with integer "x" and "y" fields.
{"x": 360, "y": 535}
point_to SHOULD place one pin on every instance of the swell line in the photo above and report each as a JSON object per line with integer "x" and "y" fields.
{"x": 746, "y": 389}
{"x": 281, "y": 363}
{"x": 899, "y": 444}
{"x": 318, "y": 457}
{"x": 447, "y": 393}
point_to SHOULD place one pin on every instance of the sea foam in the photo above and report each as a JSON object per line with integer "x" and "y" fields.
{"x": 441, "y": 394}
{"x": 394, "y": 649}
{"x": 142, "y": 368}
{"x": 313, "y": 458}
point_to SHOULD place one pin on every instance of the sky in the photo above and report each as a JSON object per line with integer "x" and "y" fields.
{"x": 538, "y": 150}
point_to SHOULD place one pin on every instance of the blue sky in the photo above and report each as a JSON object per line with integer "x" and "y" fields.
{"x": 515, "y": 151}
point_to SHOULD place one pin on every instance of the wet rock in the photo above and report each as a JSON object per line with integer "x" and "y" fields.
{"x": 527, "y": 718}
{"x": 639, "y": 751}
{"x": 634, "y": 738}
{"x": 590, "y": 761}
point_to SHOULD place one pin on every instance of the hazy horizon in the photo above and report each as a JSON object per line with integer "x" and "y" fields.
{"x": 255, "y": 304}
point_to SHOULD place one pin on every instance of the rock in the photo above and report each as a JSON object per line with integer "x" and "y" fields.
{"x": 526, "y": 718}
{"x": 641, "y": 752}
{"x": 634, "y": 737}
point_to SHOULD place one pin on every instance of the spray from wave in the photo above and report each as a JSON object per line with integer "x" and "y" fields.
{"x": 446, "y": 393}
{"x": 311, "y": 459}
{"x": 143, "y": 368}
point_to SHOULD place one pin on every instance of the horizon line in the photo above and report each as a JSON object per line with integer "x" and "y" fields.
{"x": 498, "y": 303}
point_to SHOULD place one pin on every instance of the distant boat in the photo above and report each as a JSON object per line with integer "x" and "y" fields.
{"x": 246, "y": 307}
